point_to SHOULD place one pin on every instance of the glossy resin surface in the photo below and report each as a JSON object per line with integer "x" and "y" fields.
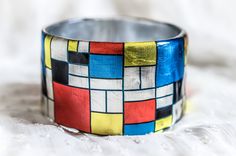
{"x": 109, "y": 87}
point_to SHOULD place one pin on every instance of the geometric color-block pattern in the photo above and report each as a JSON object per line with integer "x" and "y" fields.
{"x": 106, "y": 101}
{"x": 139, "y": 129}
{"x": 177, "y": 111}
{"x": 103, "y": 123}
{"x": 139, "y": 77}
{"x": 48, "y": 107}
{"x": 106, "y": 66}
{"x": 106, "y": 48}
{"x": 185, "y": 49}
{"x": 78, "y": 58}
{"x": 170, "y": 62}
{"x": 140, "y": 53}
{"x": 70, "y": 104}
{"x": 60, "y": 71}
{"x": 139, "y": 112}
{"x": 163, "y": 123}
{"x": 106, "y": 88}
{"x": 72, "y": 45}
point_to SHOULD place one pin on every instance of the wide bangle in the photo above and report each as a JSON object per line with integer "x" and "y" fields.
{"x": 122, "y": 76}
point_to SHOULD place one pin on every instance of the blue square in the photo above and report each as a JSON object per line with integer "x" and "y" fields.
{"x": 139, "y": 129}
{"x": 170, "y": 60}
{"x": 106, "y": 66}
{"x": 43, "y": 55}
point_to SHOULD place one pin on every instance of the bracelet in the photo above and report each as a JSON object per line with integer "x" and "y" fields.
{"x": 122, "y": 76}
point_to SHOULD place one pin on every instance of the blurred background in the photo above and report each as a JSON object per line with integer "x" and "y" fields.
{"x": 209, "y": 122}
{"x": 210, "y": 23}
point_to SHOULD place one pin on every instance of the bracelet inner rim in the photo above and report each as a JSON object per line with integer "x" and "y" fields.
{"x": 114, "y": 30}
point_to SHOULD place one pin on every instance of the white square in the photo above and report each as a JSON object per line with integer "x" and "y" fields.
{"x": 83, "y": 47}
{"x": 114, "y": 101}
{"x": 139, "y": 95}
{"x": 148, "y": 77}
{"x": 98, "y": 101}
{"x": 165, "y": 90}
{"x": 106, "y": 84}
{"x": 178, "y": 90}
{"x": 164, "y": 101}
{"x": 59, "y": 49}
{"x": 80, "y": 82}
{"x": 79, "y": 70}
{"x": 183, "y": 86}
{"x": 49, "y": 83}
{"x": 177, "y": 110}
{"x": 51, "y": 109}
{"x": 44, "y": 105}
{"x": 131, "y": 78}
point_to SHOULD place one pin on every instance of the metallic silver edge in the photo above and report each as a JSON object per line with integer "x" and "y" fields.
{"x": 72, "y": 20}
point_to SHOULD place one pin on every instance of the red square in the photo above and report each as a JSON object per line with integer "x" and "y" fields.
{"x": 138, "y": 112}
{"x": 72, "y": 107}
{"x": 106, "y": 48}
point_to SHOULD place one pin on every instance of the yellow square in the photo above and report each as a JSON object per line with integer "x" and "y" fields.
{"x": 47, "y": 51}
{"x": 163, "y": 123}
{"x": 140, "y": 53}
{"x": 105, "y": 124}
{"x": 185, "y": 49}
{"x": 72, "y": 46}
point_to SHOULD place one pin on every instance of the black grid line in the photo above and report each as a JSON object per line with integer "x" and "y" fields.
{"x": 90, "y": 107}
{"x": 106, "y": 101}
{"x": 123, "y": 92}
{"x": 140, "y": 79}
{"x": 156, "y": 84}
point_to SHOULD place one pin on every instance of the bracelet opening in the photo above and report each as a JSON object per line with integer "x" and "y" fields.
{"x": 113, "y": 30}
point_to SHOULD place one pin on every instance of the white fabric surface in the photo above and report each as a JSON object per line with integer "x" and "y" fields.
{"x": 209, "y": 126}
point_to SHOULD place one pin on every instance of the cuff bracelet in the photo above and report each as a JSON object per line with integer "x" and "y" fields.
{"x": 122, "y": 76}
